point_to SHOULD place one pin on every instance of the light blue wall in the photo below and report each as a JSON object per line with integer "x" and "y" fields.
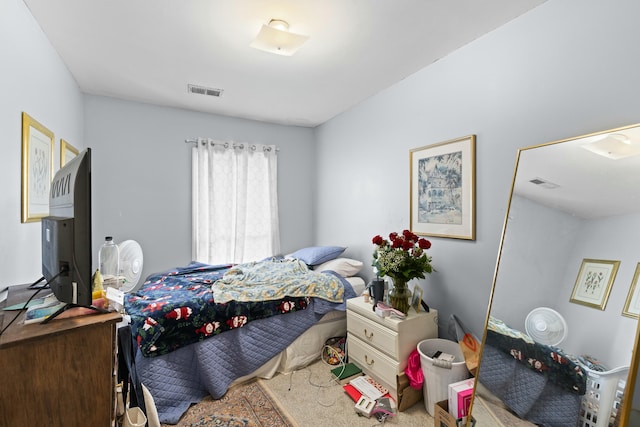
{"x": 33, "y": 79}
{"x": 604, "y": 334}
{"x": 141, "y": 171}
{"x": 566, "y": 68}
{"x": 542, "y": 255}
{"x": 532, "y": 268}
{"x": 142, "y": 175}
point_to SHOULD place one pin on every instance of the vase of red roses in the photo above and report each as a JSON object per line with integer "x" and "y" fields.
{"x": 402, "y": 257}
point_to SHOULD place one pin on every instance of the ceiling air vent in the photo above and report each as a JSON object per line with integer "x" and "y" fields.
{"x": 543, "y": 183}
{"x": 201, "y": 90}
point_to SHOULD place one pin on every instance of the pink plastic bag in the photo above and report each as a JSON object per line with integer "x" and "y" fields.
{"x": 413, "y": 371}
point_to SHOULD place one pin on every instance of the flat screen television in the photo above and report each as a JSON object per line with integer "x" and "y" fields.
{"x": 66, "y": 234}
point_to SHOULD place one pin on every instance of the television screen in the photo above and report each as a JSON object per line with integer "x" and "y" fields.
{"x": 66, "y": 233}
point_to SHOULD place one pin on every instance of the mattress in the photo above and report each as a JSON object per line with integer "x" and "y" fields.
{"x": 308, "y": 346}
{"x": 180, "y": 306}
{"x": 262, "y": 348}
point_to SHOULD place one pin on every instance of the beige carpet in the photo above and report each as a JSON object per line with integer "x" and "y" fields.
{"x": 309, "y": 398}
{"x": 502, "y": 417}
{"x": 313, "y": 400}
{"x": 496, "y": 415}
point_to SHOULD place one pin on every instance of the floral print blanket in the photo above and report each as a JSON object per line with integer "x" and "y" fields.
{"x": 560, "y": 368}
{"x": 275, "y": 279}
{"x": 177, "y": 307}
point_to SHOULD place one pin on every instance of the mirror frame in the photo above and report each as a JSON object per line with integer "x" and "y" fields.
{"x": 632, "y": 378}
{"x": 630, "y": 388}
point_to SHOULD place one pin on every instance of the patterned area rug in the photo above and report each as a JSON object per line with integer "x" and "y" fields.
{"x": 244, "y": 405}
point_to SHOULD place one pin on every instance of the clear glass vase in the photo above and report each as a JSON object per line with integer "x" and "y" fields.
{"x": 400, "y": 295}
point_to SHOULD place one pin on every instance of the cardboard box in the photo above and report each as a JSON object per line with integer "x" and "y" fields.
{"x": 443, "y": 418}
{"x": 407, "y": 396}
{"x": 460, "y": 394}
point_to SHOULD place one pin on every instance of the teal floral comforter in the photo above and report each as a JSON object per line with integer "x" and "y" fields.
{"x": 275, "y": 279}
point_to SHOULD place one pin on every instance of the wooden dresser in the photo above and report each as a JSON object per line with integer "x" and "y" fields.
{"x": 58, "y": 374}
{"x": 381, "y": 345}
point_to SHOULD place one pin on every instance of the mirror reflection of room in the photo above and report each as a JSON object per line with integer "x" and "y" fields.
{"x": 563, "y": 316}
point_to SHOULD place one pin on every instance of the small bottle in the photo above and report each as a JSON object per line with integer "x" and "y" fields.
{"x": 365, "y": 294}
{"x": 109, "y": 263}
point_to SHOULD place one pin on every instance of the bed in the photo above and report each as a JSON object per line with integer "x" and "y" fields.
{"x": 197, "y": 335}
{"x": 539, "y": 383}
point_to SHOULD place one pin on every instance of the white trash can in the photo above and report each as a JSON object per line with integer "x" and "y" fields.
{"x": 438, "y": 375}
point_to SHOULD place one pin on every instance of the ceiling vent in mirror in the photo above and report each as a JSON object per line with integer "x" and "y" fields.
{"x": 614, "y": 146}
{"x": 201, "y": 90}
{"x": 543, "y": 183}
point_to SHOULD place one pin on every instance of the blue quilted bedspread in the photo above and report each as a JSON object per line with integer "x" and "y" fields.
{"x": 177, "y": 307}
{"x": 552, "y": 362}
{"x": 188, "y": 374}
{"x": 174, "y": 312}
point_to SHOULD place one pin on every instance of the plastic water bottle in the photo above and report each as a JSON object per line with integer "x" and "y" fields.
{"x": 109, "y": 263}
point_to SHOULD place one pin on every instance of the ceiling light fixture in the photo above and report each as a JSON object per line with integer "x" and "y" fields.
{"x": 614, "y": 146}
{"x": 276, "y": 38}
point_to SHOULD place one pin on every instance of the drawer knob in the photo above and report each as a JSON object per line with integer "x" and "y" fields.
{"x": 369, "y": 335}
{"x": 369, "y": 362}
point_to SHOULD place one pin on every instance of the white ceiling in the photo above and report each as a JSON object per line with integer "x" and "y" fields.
{"x": 589, "y": 185}
{"x": 150, "y": 50}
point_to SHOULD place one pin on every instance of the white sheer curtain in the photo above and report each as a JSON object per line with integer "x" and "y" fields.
{"x": 235, "y": 202}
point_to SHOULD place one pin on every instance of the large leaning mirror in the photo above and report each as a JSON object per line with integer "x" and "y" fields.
{"x": 563, "y": 312}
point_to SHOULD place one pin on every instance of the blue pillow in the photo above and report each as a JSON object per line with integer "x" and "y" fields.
{"x": 315, "y": 255}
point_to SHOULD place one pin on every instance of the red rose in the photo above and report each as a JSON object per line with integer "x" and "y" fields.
{"x": 409, "y": 235}
{"x": 406, "y": 245}
{"x": 424, "y": 244}
{"x": 397, "y": 243}
{"x": 377, "y": 240}
{"x": 393, "y": 236}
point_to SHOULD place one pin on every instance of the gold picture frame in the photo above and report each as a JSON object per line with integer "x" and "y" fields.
{"x": 632, "y": 304}
{"x": 594, "y": 282}
{"x": 442, "y": 189}
{"x": 67, "y": 152}
{"x": 416, "y": 298}
{"x": 37, "y": 169}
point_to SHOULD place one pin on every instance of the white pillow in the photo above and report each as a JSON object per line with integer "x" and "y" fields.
{"x": 345, "y": 267}
{"x": 357, "y": 283}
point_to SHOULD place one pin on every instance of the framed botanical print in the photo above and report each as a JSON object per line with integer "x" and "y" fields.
{"x": 594, "y": 282}
{"x": 442, "y": 189}
{"x": 37, "y": 169}
{"x": 632, "y": 304}
{"x": 67, "y": 152}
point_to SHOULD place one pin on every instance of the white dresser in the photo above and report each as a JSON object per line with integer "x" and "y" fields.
{"x": 380, "y": 346}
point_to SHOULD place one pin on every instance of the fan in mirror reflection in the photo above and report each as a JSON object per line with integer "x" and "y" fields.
{"x": 546, "y": 326}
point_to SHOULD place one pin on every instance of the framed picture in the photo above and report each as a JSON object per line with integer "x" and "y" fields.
{"x": 416, "y": 298}
{"x": 594, "y": 282}
{"x": 67, "y": 152}
{"x": 632, "y": 304}
{"x": 442, "y": 189}
{"x": 37, "y": 169}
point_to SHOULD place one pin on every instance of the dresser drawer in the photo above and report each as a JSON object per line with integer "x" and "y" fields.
{"x": 378, "y": 336}
{"x": 373, "y": 362}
